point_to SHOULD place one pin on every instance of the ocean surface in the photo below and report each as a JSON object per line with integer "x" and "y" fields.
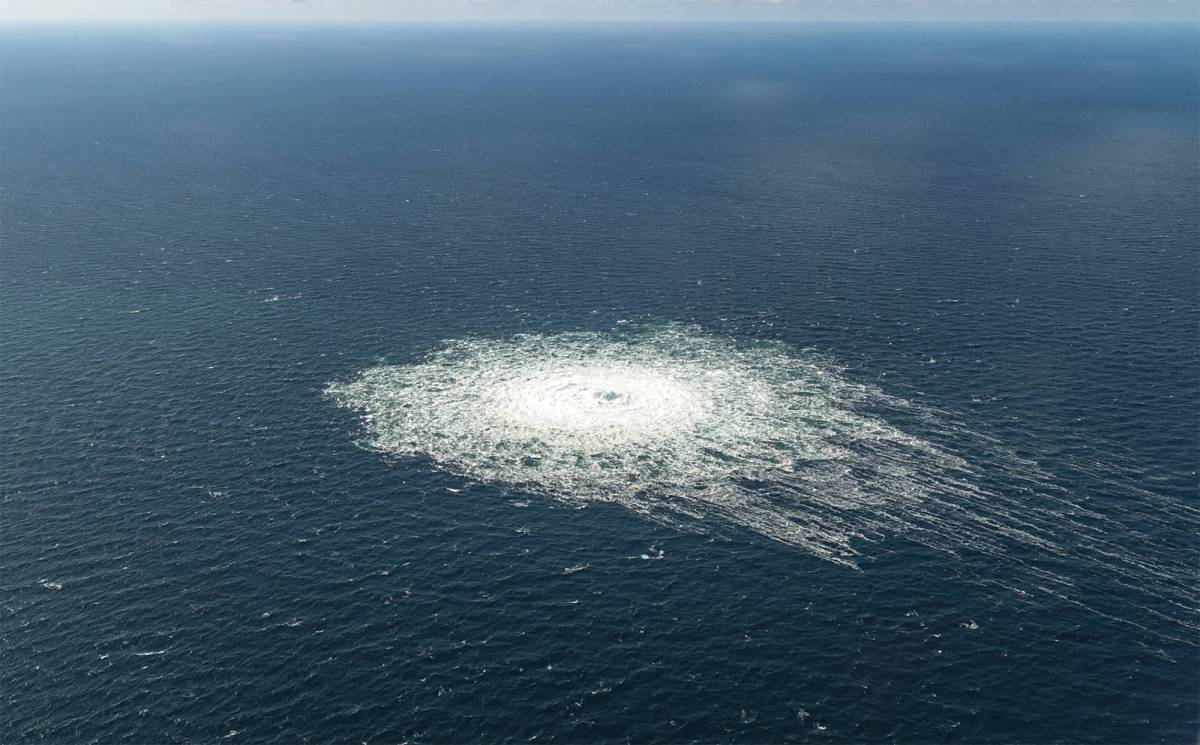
{"x": 632, "y": 384}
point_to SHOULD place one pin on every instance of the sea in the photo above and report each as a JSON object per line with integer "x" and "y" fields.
{"x": 976, "y": 249}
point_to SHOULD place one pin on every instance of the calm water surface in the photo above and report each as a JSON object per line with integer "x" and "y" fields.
{"x": 201, "y": 229}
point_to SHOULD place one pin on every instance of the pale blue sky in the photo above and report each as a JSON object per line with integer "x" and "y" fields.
{"x": 300, "y": 11}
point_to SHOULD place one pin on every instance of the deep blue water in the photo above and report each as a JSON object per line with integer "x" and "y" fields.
{"x": 200, "y": 229}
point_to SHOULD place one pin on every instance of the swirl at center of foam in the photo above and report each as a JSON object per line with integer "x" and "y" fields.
{"x": 636, "y": 400}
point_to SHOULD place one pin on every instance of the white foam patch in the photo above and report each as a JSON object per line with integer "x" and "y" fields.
{"x": 665, "y": 421}
{"x": 695, "y": 431}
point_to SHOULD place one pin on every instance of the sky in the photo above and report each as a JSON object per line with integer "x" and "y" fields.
{"x": 358, "y": 11}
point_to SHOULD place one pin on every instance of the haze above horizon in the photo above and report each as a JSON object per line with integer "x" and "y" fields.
{"x": 372, "y": 11}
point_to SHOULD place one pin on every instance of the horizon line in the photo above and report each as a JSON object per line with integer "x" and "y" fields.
{"x": 594, "y": 22}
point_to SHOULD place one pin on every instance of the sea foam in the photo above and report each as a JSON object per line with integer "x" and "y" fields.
{"x": 698, "y": 431}
{"x": 681, "y": 426}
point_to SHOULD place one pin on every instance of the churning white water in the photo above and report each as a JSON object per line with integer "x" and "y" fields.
{"x": 684, "y": 427}
{"x": 698, "y": 431}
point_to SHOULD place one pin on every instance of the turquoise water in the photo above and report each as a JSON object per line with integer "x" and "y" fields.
{"x": 762, "y": 385}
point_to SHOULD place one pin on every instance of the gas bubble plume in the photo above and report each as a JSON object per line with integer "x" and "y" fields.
{"x": 695, "y": 431}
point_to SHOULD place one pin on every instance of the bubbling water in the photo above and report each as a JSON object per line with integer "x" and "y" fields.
{"x": 667, "y": 421}
{"x": 698, "y": 431}
{"x": 637, "y": 401}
